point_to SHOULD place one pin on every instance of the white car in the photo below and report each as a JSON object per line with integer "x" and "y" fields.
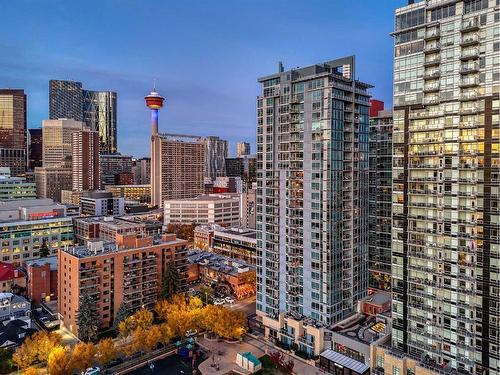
{"x": 191, "y": 332}
{"x": 229, "y": 300}
{"x": 218, "y": 301}
{"x": 92, "y": 371}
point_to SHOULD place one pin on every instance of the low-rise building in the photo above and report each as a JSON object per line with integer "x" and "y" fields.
{"x": 222, "y": 209}
{"x": 238, "y": 275}
{"x": 354, "y": 339}
{"x": 139, "y": 193}
{"x": 203, "y": 236}
{"x": 16, "y": 188}
{"x": 71, "y": 196}
{"x": 236, "y": 243}
{"x": 42, "y": 279}
{"x": 101, "y": 203}
{"x": 13, "y": 306}
{"x": 127, "y": 271}
{"x": 27, "y": 226}
{"x": 105, "y": 228}
{"x": 11, "y": 278}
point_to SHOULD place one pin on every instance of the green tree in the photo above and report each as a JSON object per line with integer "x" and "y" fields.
{"x": 87, "y": 319}
{"x": 170, "y": 283}
{"x": 44, "y": 249}
{"x": 7, "y": 365}
{"x": 120, "y": 316}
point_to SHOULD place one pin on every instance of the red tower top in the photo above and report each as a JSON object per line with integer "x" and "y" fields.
{"x": 154, "y": 100}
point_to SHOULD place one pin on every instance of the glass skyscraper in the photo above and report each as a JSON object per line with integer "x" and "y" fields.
{"x": 97, "y": 109}
{"x": 446, "y": 185}
{"x": 13, "y": 131}
{"x": 312, "y": 201}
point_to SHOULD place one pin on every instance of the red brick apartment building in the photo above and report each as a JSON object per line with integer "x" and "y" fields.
{"x": 128, "y": 270}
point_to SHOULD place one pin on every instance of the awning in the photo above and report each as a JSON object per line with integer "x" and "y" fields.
{"x": 345, "y": 361}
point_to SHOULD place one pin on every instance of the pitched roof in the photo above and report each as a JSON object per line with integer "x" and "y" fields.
{"x": 9, "y": 272}
{"x": 13, "y": 332}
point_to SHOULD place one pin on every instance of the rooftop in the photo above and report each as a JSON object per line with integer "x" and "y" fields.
{"x": 22, "y": 203}
{"x": 363, "y": 328}
{"x": 110, "y": 221}
{"x": 99, "y": 247}
{"x": 181, "y": 138}
{"x": 207, "y": 198}
{"x": 9, "y": 272}
{"x": 243, "y": 232}
{"x": 219, "y": 262}
{"x": 51, "y": 260}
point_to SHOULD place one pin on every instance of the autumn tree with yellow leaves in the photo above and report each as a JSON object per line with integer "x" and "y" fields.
{"x": 59, "y": 361}
{"x": 36, "y": 348}
{"x": 106, "y": 351}
{"x": 83, "y": 355}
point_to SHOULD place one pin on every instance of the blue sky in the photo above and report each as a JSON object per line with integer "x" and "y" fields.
{"x": 205, "y": 55}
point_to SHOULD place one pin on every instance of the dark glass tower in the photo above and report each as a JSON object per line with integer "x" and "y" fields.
{"x": 13, "y": 131}
{"x": 65, "y": 100}
{"x": 99, "y": 113}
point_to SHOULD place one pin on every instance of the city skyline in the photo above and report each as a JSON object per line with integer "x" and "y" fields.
{"x": 219, "y": 98}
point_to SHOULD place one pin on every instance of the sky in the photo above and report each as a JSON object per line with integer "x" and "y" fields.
{"x": 206, "y": 56}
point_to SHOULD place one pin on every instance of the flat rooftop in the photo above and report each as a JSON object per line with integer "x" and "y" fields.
{"x": 23, "y": 203}
{"x": 218, "y": 262}
{"x": 99, "y": 247}
{"x": 248, "y": 233}
{"x": 51, "y": 260}
{"x": 363, "y": 328}
{"x": 207, "y": 198}
{"x": 111, "y": 221}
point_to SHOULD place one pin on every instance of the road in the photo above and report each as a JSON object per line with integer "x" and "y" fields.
{"x": 246, "y": 305}
{"x": 169, "y": 365}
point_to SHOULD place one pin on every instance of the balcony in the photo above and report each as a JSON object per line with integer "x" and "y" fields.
{"x": 431, "y": 100}
{"x": 434, "y": 87}
{"x": 432, "y": 48}
{"x": 471, "y": 95}
{"x": 470, "y": 25}
{"x": 432, "y": 75}
{"x": 469, "y": 82}
{"x": 470, "y": 54}
{"x": 433, "y": 61}
{"x": 469, "y": 68}
{"x": 432, "y": 34}
{"x": 469, "y": 40}
{"x": 470, "y": 110}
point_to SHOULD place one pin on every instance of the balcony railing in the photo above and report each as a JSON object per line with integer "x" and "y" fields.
{"x": 470, "y": 25}
{"x": 469, "y": 54}
{"x": 469, "y": 40}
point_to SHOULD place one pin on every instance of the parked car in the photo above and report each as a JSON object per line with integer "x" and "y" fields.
{"x": 229, "y": 300}
{"x": 219, "y": 301}
{"x": 92, "y": 371}
{"x": 191, "y": 333}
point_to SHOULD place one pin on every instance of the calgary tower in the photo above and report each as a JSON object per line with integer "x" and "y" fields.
{"x": 154, "y": 102}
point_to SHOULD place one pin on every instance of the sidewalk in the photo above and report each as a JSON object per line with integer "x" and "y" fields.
{"x": 227, "y": 359}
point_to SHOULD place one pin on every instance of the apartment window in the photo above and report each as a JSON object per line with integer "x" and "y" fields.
{"x": 410, "y": 19}
{"x": 443, "y": 12}
{"x": 471, "y": 6}
{"x": 380, "y": 361}
{"x": 396, "y": 370}
{"x": 496, "y": 46}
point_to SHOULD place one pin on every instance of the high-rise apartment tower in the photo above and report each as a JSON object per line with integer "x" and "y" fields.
{"x": 446, "y": 184}
{"x": 312, "y": 200}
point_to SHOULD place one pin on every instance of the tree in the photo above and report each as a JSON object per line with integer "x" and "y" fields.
{"x": 106, "y": 350}
{"x": 59, "y": 361}
{"x": 120, "y": 316}
{"x": 7, "y": 365}
{"x": 166, "y": 333}
{"x": 170, "y": 283}
{"x": 31, "y": 371}
{"x": 288, "y": 366}
{"x": 152, "y": 338}
{"x": 207, "y": 294}
{"x": 24, "y": 356}
{"x": 44, "y": 249}
{"x": 83, "y": 355}
{"x": 143, "y": 318}
{"x": 87, "y": 319}
{"x": 126, "y": 326}
{"x": 276, "y": 358}
{"x": 36, "y": 348}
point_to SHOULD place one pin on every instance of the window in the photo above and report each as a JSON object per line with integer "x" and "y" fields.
{"x": 396, "y": 370}
{"x": 471, "y": 6}
{"x": 410, "y": 19}
{"x": 443, "y": 12}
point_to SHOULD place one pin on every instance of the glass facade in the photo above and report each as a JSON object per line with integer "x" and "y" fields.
{"x": 446, "y": 178}
{"x": 13, "y": 128}
{"x": 100, "y": 113}
{"x": 312, "y": 192}
{"x": 380, "y": 201}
